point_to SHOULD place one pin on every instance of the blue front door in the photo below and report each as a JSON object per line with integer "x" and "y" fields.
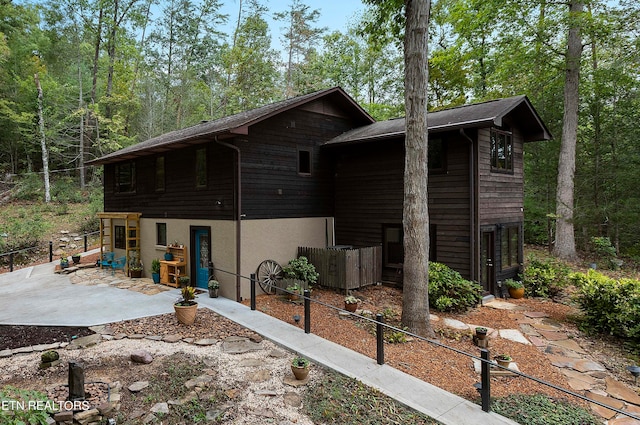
{"x": 202, "y": 257}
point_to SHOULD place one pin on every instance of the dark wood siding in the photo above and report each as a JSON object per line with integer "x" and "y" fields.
{"x": 180, "y": 199}
{"x": 501, "y": 195}
{"x": 369, "y": 194}
{"x": 271, "y": 184}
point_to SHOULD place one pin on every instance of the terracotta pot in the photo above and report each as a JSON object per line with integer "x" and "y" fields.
{"x": 352, "y": 307}
{"x": 503, "y": 363}
{"x": 186, "y": 314}
{"x": 516, "y": 293}
{"x": 300, "y": 372}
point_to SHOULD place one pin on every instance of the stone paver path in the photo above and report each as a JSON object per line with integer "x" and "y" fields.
{"x": 584, "y": 375}
{"x": 91, "y": 276}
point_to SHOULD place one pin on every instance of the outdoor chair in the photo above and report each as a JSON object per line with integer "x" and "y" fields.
{"x": 118, "y": 263}
{"x": 107, "y": 259}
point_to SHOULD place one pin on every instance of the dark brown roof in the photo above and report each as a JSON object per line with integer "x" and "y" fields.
{"x": 484, "y": 114}
{"x": 234, "y": 124}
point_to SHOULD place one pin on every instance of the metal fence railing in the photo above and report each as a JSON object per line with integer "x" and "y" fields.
{"x": 483, "y": 387}
{"x": 13, "y": 254}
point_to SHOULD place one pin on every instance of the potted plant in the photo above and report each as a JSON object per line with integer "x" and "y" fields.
{"x": 213, "y": 286}
{"x": 515, "y": 287}
{"x": 75, "y": 258}
{"x": 503, "y": 360}
{"x": 481, "y": 332}
{"x": 300, "y": 367}
{"x": 351, "y": 303}
{"x": 64, "y": 261}
{"x": 186, "y": 306}
{"x": 168, "y": 256}
{"x": 155, "y": 270}
{"x": 294, "y": 291}
{"x": 183, "y": 281}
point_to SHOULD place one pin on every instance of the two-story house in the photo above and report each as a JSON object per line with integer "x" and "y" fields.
{"x": 317, "y": 170}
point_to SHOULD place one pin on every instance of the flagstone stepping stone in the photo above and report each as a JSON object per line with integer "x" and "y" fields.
{"x": 620, "y": 391}
{"x": 455, "y": 324}
{"x": 291, "y": 380}
{"x": 546, "y": 327}
{"x": 538, "y": 342}
{"x": 579, "y": 381}
{"x": 535, "y": 314}
{"x": 292, "y": 399}
{"x": 239, "y": 345}
{"x": 603, "y": 411}
{"x": 250, "y": 363}
{"x": 623, "y": 421}
{"x": 261, "y": 375}
{"x": 502, "y": 305}
{"x": 561, "y": 361}
{"x": 514, "y": 335}
{"x": 559, "y": 351}
{"x": 553, "y": 335}
{"x": 569, "y": 344}
{"x": 588, "y": 366}
{"x": 85, "y": 341}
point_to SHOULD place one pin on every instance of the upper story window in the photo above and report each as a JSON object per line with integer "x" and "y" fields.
{"x": 501, "y": 150}
{"x": 201, "y": 168}
{"x": 304, "y": 161}
{"x": 436, "y": 156}
{"x": 160, "y": 174}
{"x": 126, "y": 177}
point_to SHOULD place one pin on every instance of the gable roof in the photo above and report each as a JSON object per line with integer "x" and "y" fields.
{"x": 232, "y": 125}
{"x": 485, "y": 114}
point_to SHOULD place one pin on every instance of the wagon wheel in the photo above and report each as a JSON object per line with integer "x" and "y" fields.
{"x": 268, "y": 274}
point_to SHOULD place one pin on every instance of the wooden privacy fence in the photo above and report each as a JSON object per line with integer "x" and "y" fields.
{"x": 345, "y": 268}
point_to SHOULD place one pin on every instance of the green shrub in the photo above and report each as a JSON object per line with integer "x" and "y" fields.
{"x": 544, "y": 278}
{"x": 610, "y": 306}
{"x": 300, "y": 268}
{"x": 606, "y": 252}
{"x": 449, "y": 291}
{"x": 539, "y": 409}
{"x": 15, "y": 407}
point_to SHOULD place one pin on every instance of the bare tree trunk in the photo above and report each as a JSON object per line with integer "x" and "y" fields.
{"x": 81, "y": 166}
{"x": 565, "y": 246}
{"x": 415, "y": 298}
{"x": 43, "y": 144}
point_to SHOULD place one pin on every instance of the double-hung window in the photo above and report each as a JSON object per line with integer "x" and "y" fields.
{"x": 501, "y": 150}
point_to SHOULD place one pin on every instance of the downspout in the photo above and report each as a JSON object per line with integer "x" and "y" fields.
{"x": 238, "y": 214}
{"x": 472, "y": 206}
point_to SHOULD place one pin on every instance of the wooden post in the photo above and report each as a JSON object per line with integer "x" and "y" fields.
{"x": 76, "y": 380}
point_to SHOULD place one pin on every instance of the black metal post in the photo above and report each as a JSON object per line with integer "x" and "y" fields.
{"x": 253, "y": 291}
{"x": 380, "y": 338}
{"x": 50, "y": 251}
{"x": 485, "y": 390}
{"x": 307, "y": 311}
{"x": 85, "y": 243}
{"x": 11, "y": 262}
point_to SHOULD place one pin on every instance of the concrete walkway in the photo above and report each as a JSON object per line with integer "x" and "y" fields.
{"x": 38, "y": 296}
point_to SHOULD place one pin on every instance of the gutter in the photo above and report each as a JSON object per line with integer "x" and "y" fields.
{"x": 472, "y": 206}
{"x": 238, "y": 218}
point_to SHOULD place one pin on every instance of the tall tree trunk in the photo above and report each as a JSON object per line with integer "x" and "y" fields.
{"x": 415, "y": 298}
{"x": 111, "y": 52}
{"x": 81, "y": 142}
{"x": 43, "y": 143}
{"x": 565, "y": 246}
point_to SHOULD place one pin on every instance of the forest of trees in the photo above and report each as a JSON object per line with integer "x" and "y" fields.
{"x": 81, "y": 78}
